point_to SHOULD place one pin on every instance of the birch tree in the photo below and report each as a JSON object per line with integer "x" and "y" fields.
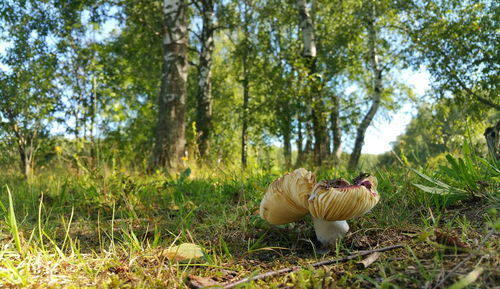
{"x": 170, "y": 130}
{"x": 204, "y": 94}
{"x": 244, "y": 54}
{"x": 376, "y": 91}
{"x": 309, "y": 53}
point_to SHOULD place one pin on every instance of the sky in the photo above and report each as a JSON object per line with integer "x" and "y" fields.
{"x": 383, "y": 132}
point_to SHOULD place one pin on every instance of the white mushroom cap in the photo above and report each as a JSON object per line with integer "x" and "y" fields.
{"x": 286, "y": 199}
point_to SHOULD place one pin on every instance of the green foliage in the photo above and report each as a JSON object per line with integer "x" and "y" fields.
{"x": 29, "y": 96}
{"x": 475, "y": 174}
{"x": 439, "y": 129}
{"x": 470, "y": 73}
{"x": 469, "y": 176}
{"x": 79, "y": 84}
{"x": 101, "y": 86}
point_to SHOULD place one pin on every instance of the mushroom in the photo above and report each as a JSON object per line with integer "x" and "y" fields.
{"x": 286, "y": 199}
{"x": 330, "y": 202}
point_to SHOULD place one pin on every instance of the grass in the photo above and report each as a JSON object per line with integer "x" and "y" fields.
{"x": 108, "y": 229}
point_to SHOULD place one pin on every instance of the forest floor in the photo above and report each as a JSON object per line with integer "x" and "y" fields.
{"x": 110, "y": 229}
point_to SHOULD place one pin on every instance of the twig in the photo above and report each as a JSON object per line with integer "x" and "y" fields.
{"x": 368, "y": 260}
{"x": 395, "y": 259}
{"x": 296, "y": 268}
{"x": 464, "y": 260}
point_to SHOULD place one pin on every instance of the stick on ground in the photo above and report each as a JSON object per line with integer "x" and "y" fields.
{"x": 296, "y": 268}
{"x": 368, "y": 260}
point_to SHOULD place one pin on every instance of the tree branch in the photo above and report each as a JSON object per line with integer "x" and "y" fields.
{"x": 478, "y": 97}
{"x": 193, "y": 64}
{"x": 194, "y": 33}
{"x": 196, "y": 4}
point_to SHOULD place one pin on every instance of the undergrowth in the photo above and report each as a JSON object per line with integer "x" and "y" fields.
{"x": 107, "y": 228}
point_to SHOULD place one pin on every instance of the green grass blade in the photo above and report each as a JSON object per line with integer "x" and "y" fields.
{"x": 13, "y": 224}
{"x": 432, "y": 190}
{"x": 434, "y": 181}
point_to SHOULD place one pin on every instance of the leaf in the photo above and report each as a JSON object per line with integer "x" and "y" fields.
{"x": 468, "y": 279}
{"x": 432, "y": 190}
{"x": 490, "y": 166}
{"x": 453, "y": 162}
{"x": 434, "y": 181}
{"x": 184, "y": 175}
{"x": 185, "y": 251}
{"x": 201, "y": 282}
{"x": 449, "y": 239}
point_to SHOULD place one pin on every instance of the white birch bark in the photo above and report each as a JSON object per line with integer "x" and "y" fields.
{"x": 170, "y": 135}
{"x": 307, "y": 28}
{"x": 315, "y": 100}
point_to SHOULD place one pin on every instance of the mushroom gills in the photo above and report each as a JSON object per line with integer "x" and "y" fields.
{"x": 336, "y": 200}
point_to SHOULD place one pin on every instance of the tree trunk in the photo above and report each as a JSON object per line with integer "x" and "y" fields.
{"x": 492, "y": 135}
{"x": 77, "y": 130}
{"x": 246, "y": 82}
{"x": 287, "y": 147}
{"x": 320, "y": 135}
{"x": 93, "y": 111}
{"x": 309, "y": 53}
{"x": 327, "y": 143}
{"x": 170, "y": 138}
{"x": 336, "y": 132}
{"x": 25, "y": 145}
{"x": 22, "y": 161}
{"x": 204, "y": 109}
{"x": 27, "y": 167}
{"x": 377, "y": 91}
{"x": 300, "y": 141}
{"x": 244, "y": 117}
{"x": 25, "y": 155}
{"x": 308, "y": 148}
{"x": 307, "y": 29}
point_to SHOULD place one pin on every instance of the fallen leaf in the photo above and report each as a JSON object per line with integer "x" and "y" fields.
{"x": 224, "y": 275}
{"x": 449, "y": 239}
{"x": 200, "y": 282}
{"x": 184, "y": 251}
{"x": 119, "y": 269}
{"x": 172, "y": 206}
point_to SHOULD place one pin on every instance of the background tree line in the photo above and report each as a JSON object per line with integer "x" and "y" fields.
{"x": 156, "y": 84}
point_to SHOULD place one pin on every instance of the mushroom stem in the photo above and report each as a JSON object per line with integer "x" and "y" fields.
{"x": 328, "y": 232}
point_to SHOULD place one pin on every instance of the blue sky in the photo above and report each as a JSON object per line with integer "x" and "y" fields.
{"x": 383, "y": 131}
